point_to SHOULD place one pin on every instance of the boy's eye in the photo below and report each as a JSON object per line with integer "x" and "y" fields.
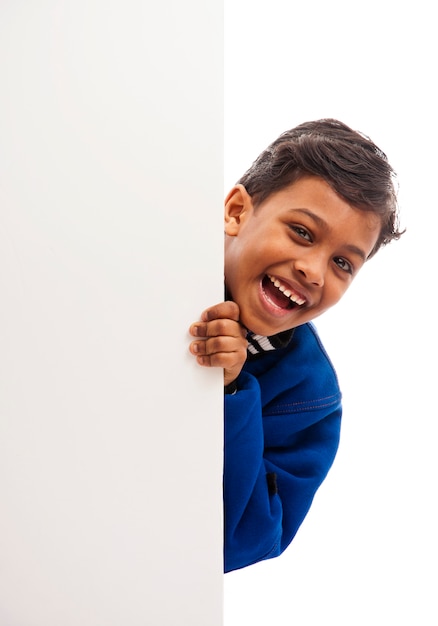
{"x": 343, "y": 264}
{"x": 301, "y": 232}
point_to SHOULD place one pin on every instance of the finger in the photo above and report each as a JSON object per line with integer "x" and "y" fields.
{"x": 216, "y": 345}
{"x": 226, "y": 360}
{"x": 223, "y": 310}
{"x": 217, "y": 328}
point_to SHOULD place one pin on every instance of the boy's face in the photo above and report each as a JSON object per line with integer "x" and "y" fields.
{"x": 295, "y": 255}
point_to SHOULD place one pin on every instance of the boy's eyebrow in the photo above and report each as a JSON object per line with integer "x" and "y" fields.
{"x": 323, "y": 224}
{"x": 355, "y": 250}
{"x": 318, "y": 220}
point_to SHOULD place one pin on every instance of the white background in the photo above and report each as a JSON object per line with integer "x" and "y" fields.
{"x": 110, "y": 247}
{"x": 367, "y": 552}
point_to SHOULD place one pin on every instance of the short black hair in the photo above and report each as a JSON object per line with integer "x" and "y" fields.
{"x": 346, "y": 159}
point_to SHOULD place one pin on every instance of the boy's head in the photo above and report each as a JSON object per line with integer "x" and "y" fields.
{"x": 302, "y": 221}
{"x": 347, "y": 160}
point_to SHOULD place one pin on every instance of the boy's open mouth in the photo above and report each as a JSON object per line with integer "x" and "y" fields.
{"x": 279, "y": 294}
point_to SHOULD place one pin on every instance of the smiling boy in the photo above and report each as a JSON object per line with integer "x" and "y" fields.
{"x": 299, "y": 225}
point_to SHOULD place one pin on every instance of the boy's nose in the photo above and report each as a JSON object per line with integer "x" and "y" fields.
{"x": 313, "y": 269}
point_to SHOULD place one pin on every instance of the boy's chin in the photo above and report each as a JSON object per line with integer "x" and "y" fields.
{"x": 266, "y": 330}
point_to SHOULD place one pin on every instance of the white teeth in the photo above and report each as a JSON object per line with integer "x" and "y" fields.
{"x": 287, "y": 292}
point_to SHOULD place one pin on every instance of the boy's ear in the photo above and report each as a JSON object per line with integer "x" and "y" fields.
{"x": 238, "y": 205}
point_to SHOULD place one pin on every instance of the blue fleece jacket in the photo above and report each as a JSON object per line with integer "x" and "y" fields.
{"x": 281, "y": 436}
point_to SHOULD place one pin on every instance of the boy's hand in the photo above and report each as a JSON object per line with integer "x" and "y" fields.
{"x": 221, "y": 340}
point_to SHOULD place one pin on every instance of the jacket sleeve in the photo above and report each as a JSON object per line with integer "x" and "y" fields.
{"x": 268, "y": 492}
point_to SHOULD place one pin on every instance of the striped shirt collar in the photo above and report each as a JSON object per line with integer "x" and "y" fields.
{"x": 259, "y": 343}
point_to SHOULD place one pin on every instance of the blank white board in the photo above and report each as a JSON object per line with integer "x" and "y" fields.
{"x": 110, "y": 246}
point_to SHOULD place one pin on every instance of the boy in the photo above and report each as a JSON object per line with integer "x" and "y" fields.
{"x": 299, "y": 225}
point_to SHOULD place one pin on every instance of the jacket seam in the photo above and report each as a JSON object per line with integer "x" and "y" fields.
{"x": 291, "y": 407}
